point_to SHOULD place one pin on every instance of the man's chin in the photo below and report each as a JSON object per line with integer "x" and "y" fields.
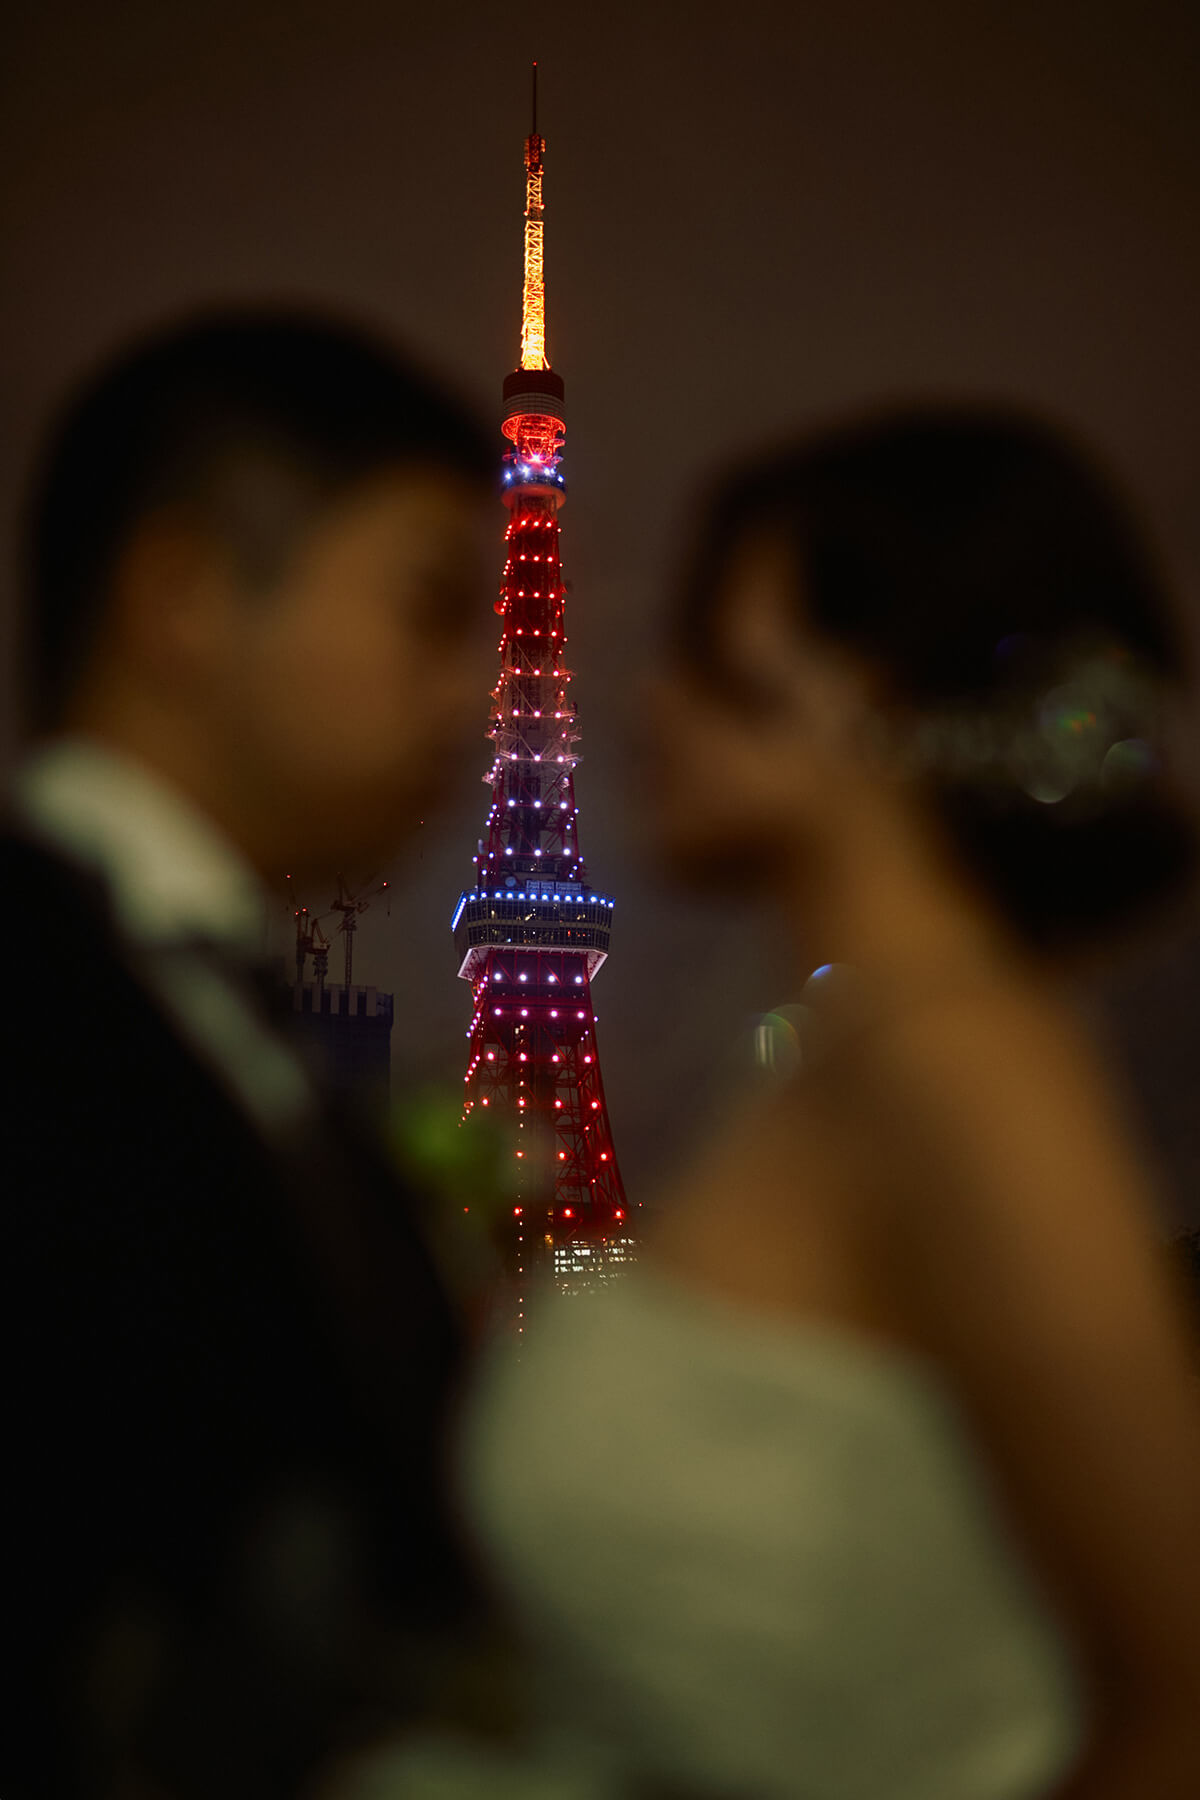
{"x": 358, "y": 862}
{"x": 385, "y": 835}
{"x": 715, "y": 865}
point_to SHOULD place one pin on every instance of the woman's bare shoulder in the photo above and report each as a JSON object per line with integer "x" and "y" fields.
{"x": 993, "y": 1088}
{"x": 1024, "y": 1254}
{"x": 1007, "y": 1181}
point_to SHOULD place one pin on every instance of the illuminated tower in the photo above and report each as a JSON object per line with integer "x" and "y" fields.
{"x": 530, "y": 932}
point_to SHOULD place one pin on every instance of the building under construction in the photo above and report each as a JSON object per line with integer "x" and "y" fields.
{"x": 347, "y": 1029}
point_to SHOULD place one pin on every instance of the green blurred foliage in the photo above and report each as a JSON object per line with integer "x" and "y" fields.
{"x": 462, "y": 1172}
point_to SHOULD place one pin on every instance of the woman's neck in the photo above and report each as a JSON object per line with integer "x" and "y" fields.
{"x": 883, "y": 895}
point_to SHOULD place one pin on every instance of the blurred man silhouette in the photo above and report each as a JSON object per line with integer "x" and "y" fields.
{"x": 254, "y": 564}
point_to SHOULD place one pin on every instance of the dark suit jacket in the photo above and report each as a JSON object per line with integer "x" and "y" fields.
{"x": 226, "y": 1378}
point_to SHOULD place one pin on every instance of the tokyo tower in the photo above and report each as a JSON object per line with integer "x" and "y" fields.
{"x": 530, "y": 932}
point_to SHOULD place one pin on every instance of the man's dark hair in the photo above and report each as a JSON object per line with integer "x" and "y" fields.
{"x": 994, "y": 578}
{"x": 254, "y": 421}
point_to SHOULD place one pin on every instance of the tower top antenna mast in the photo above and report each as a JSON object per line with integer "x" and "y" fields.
{"x": 533, "y": 300}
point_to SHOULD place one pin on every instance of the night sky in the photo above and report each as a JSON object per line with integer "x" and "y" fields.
{"x": 756, "y": 214}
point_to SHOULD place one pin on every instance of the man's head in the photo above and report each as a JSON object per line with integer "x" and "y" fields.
{"x": 255, "y": 561}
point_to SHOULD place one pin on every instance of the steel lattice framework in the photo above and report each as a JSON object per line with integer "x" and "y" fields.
{"x": 531, "y": 932}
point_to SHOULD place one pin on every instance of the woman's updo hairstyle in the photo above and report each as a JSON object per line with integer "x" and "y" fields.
{"x": 998, "y": 583}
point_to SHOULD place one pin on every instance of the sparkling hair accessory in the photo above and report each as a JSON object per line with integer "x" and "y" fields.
{"x": 1083, "y": 727}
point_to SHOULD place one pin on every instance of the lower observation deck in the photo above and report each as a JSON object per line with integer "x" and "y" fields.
{"x": 542, "y": 921}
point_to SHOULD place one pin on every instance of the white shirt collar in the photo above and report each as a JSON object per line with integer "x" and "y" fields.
{"x": 170, "y": 871}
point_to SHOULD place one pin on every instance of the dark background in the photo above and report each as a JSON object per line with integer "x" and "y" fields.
{"x": 755, "y": 215}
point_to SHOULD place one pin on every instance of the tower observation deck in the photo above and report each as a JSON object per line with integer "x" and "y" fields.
{"x": 530, "y": 932}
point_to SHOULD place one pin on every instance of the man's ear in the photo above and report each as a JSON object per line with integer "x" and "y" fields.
{"x": 171, "y": 597}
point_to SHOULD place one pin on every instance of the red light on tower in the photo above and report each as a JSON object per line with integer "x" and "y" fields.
{"x": 530, "y": 887}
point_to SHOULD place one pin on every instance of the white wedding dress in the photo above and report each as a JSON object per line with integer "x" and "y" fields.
{"x": 755, "y": 1559}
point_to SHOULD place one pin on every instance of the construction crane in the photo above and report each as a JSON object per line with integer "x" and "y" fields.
{"x": 320, "y": 956}
{"x": 311, "y": 939}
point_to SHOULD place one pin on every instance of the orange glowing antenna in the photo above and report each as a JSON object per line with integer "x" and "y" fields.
{"x": 533, "y": 309}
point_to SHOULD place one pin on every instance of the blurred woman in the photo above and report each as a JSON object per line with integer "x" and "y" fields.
{"x": 880, "y": 1478}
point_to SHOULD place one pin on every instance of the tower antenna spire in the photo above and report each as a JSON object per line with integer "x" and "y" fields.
{"x": 533, "y": 297}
